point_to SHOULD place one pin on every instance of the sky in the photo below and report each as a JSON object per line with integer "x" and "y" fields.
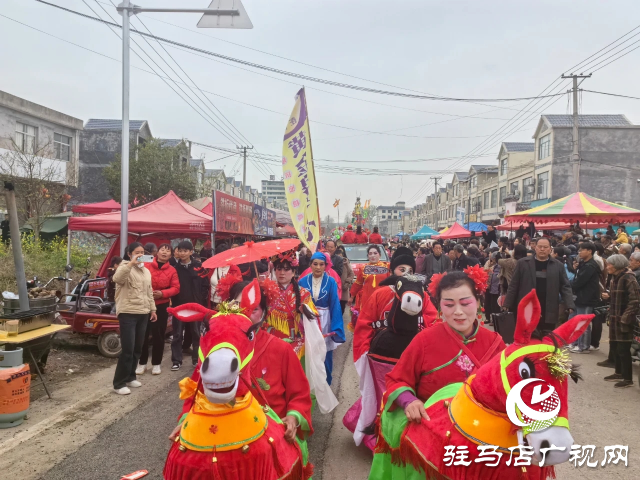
{"x": 460, "y": 49}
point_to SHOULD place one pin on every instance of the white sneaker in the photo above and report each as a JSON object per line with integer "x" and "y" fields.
{"x": 134, "y": 384}
{"x": 141, "y": 369}
{"x": 122, "y": 391}
{"x": 593, "y": 349}
{"x": 156, "y": 370}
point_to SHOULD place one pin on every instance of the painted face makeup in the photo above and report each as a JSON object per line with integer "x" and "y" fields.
{"x": 459, "y": 308}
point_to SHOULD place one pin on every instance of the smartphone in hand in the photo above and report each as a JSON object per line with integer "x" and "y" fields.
{"x": 145, "y": 258}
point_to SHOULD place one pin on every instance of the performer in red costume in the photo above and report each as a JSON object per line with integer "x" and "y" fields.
{"x": 368, "y": 279}
{"x": 375, "y": 237}
{"x": 349, "y": 236}
{"x": 361, "y": 237}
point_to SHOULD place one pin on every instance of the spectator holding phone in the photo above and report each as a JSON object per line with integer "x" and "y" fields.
{"x": 165, "y": 284}
{"x": 136, "y": 307}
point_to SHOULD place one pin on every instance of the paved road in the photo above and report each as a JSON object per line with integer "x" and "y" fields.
{"x": 139, "y": 439}
{"x": 599, "y": 415}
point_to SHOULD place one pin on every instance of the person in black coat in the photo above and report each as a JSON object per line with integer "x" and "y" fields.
{"x": 490, "y": 235}
{"x": 463, "y": 261}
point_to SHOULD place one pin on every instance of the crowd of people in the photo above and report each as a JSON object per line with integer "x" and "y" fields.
{"x": 571, "y": 274}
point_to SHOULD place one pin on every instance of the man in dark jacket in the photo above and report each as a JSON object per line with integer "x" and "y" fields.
{"x": 194, "y": 288}
{"x": 548, "y": 277}
{"x": 490, "y": 235}
{"x": 435, "y": 262}
{"x": 463, "y": 261}
{"x": 586, "y": 286}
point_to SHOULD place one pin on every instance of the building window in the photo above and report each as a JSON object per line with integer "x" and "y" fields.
{"x": 486, "y": 200}
{"x": 513, "y": 187}
{"x": 479, "y": 203}
{"x": 503, "y": 166}
{"x": 529, "y": 189}
{"x": 544, "y": 147}
{"x": 494, "y": 198}
{"x": 503, "y": 193}
{"x": 26, "y": 137}
{"x": 62, "y": 145}
{"x": 543, "y": 185}
{"x": 474, "y": 181}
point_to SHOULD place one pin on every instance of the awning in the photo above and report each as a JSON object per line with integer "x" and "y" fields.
{"x": 456, "y": 231}
{"x": 97, "y": 208}
{"x": 167, "y": 214}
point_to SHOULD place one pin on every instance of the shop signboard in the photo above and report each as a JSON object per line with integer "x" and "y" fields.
{"x": 264, "y": 221}
{"x": 232, "y": 214}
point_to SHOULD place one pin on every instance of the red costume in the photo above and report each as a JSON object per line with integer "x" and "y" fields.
{"x": 377, "y": 308}
{"x": 368, "y": 279}
{"x": 349, "y": 237}
{"x": 375, "y": 238}
{"x": 439, "y": 356}
{"x": 361, "y": 238}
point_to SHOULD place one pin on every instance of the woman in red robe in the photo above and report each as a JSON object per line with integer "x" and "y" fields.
{"x": 442, "y": 355}
{"x": 369, "y": 277}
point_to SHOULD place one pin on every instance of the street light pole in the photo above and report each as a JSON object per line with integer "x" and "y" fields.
{"x": 126, "y": 9}
{"x": 124, "y": 176}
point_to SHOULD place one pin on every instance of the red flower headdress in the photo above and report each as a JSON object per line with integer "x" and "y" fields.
{"x": 433, "y": 284}
{"x": 289, "y": 256}
{"x": 224, "y": 285}
{"x": 479, "y": 277}
{"x": 271, "y": 289}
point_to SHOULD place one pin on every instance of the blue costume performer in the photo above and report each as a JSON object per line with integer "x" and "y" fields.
{"x": 324, "y": 292}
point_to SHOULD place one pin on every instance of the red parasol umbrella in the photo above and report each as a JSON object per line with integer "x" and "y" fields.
{"x": 251, "y": 252}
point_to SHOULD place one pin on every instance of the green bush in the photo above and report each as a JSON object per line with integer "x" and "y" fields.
{"x": 45, "y": 259}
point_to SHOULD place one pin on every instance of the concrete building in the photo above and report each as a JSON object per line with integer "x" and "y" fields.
{"x": 100, "y": 142}
{"x": 47, "y": 137}
{"x": 274, "y": 189}
{"x": 393, "y": 219}
{"x": 609, "y": 148}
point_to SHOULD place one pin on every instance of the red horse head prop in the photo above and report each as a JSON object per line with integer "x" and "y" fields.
{"x": 527, "y": 359}
{"x": 227, "y": 345}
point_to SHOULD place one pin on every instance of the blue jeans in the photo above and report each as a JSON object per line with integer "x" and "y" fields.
{"x": 584, "y": 341}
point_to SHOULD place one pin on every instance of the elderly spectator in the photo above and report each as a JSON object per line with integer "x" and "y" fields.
{"x": 462, "y": 261}
{"x": 547, "y": 276}
{"x": 508, "y": 266}
{"x": 609, "y": 247}
{"x": 634, "y": 264}
{"x": 586, "y": 286}
{"x": 625, "y": 249}
{"x": 624, "y": 304}
{"x": 337, "y": 260}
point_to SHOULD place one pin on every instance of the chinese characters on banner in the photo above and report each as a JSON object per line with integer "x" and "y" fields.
{"x": 231, "y": 214}
{"x": 264, "y": 221}
{"x": 299, "y": 175}
{"x": 521, "y": 455}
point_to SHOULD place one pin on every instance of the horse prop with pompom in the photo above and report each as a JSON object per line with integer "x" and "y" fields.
{"x": 479, "y": 416}
{"x": 225, "y": 434}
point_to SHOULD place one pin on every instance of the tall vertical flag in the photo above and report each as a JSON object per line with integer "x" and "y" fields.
{"x": 299, "y": 175}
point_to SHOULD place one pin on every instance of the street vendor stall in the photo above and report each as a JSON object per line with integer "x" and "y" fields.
{"x": 423, "y": 233}
{"x": 577, "y": 207}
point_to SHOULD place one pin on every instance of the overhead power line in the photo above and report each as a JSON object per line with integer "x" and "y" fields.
{"x": 298, "y": 75}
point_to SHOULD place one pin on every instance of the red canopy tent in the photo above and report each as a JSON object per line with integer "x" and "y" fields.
{"x": 97, "y": 208}
{"x": 456, "y": 231}
{"x": 168, "y": 214}
{"x": 203, "y": 204}
{"x": 208, "y": 210}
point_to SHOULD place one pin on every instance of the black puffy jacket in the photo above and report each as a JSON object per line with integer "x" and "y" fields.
{"x": 586, "y": 285}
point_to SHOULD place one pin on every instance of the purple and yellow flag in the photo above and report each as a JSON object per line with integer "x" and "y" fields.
{"x": 299, "y": 175}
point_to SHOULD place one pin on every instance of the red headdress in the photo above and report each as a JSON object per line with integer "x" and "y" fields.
{"x": 479, "y": 277}
{"x": 433, "y": 284}
{"x": 288, "y": 256}
{"x": 224, "y": 285}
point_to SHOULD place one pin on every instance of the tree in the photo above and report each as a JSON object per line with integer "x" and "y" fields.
{"x": 154, "y": 169}
{"x": 372, "y": 217}
{"x": 40, "y": 181}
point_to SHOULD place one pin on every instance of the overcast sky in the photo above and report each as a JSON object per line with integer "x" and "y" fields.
{"x": 462, "y": 49}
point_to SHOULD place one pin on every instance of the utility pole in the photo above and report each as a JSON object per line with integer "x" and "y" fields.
{"x": 16, "y": 245}
{"x": 244, "y": 170}
{"x": 213, "y": 18}
{"x": 435, "y": 179}
{"x": 575, "y": 157}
